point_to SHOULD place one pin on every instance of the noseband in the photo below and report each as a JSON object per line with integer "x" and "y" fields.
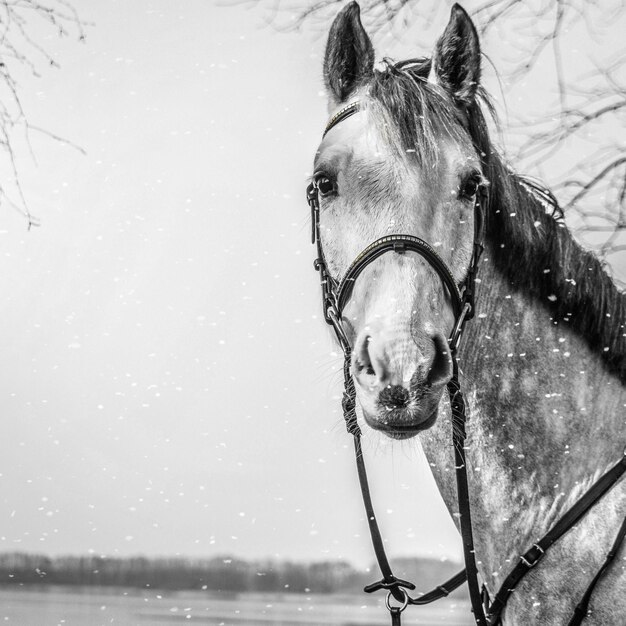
{"x": 335, "y": 295}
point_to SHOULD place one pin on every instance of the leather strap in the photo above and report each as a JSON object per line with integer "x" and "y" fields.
{"x": 393, "y": 585}
{"x": 441, "y": 591}
{"x": 399, "y": 244}
{"x": 531, "y": 557}
{"x": 457, "y": 406}
{"x": 396, "y": 614}
{"x": 389, "y": 581}
{"x": 582, "y": 608}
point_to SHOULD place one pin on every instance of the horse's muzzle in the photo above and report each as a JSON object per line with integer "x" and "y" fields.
{"x": 399, "y": 382}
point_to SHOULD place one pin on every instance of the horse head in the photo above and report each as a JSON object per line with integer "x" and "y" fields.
{"x": 402, "y": 163}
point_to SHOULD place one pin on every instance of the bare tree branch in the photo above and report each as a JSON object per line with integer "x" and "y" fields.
{"x": 21, "y": 50}
{"x": 590, "y": 184}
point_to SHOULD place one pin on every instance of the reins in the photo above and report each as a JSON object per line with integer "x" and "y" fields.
{"x": 335, "y": 295}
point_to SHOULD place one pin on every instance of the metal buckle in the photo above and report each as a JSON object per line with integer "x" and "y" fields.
{"x": 311, "y": 193}
{"x": 455, "y": 336}
{"x": 314, "y": 221}
{"x": 332, "y": 318}
{"x": 536, "y": 559}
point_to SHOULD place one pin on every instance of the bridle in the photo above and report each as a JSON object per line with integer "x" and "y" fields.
{"x": 335, "y": 296}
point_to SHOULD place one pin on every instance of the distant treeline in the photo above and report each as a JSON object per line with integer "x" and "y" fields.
{"x": 215, "y": 574}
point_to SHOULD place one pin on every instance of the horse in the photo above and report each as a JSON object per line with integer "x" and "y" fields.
{"x": 542, "y": 364}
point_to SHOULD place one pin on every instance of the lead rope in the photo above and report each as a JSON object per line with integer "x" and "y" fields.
{"x": 459, "y": 435}
{"x": 396, "y": 587}
{"x": 389, "y": 581}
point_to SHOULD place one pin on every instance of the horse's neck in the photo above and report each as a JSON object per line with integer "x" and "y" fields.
{"x": 544, "y": 414}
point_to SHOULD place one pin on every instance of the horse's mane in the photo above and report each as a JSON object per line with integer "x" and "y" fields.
{"x": 523, "y": 222}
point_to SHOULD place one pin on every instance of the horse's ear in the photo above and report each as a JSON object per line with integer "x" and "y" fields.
{"x": 349, "y": 59}
{"x": 456, "y": 60}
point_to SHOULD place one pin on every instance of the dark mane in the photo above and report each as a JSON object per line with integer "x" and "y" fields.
{"x": 417, "y": 112}
{"x": 523, "y": 222}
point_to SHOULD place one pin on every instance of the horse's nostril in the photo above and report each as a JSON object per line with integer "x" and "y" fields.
{"x": 441, "y": 367}
{"x": 365, "y": 366}
{"x": 363, "y": 361}
{"x": 394, "y": 397}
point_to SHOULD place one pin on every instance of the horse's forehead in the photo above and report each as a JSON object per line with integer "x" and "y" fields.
{"x": 352, "y": 136}
{"x": 373, "y": 150}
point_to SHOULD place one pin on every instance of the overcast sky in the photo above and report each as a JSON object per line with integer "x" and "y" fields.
{"x": 167, "y": 385}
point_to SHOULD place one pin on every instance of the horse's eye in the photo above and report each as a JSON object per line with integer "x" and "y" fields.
{"x": 325, "y": 185}
{"x": 470, "y": 187}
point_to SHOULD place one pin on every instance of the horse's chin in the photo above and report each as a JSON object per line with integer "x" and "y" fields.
{"x": 401, "y": 423}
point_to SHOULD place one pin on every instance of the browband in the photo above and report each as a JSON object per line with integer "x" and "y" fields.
{"x": 341, "y": 115}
